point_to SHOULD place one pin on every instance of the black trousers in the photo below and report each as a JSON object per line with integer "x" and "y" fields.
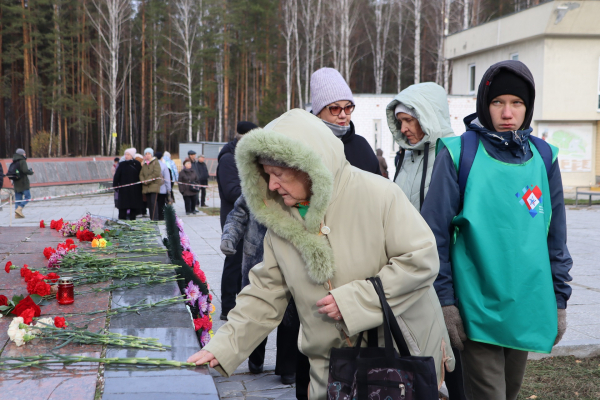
{"x": 287, "y": 350}
{"x": 454, "y": 379}
{"x": 202, "y": 196}
{"x": 123, "y": 214}
{"x": 196, "y": 200}
{"x": 161, "y": 201}
{"x": 152, "y": 201}
{"x": 189, "y": 203}
{"x": 231, "y": 280}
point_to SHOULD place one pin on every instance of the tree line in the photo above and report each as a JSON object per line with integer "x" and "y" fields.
{"x": 92, "y": 77}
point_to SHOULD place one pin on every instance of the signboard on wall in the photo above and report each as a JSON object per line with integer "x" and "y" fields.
{"x": 574, "y": 141}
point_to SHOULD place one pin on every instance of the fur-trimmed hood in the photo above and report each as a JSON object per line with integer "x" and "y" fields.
{"x": 302, "y": 141}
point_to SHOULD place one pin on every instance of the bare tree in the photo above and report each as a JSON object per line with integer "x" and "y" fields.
{"x": 290, "y": 20}
{"x": 447, "y": 4}
{"x": 342, "y": 16}
{"x": 417, "y": 4}
{"x": 383, "y": 18}
{"x": 310, "y": 17}
{"x": 109, "y": 20}
{"x": 465, "y": 14}
{"x": 400, "y": 14}
{"x": 184, "y": 19}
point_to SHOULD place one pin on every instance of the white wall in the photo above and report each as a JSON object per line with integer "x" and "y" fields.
{"x": 369, "y": 114}
{"x": 460, "y": 107}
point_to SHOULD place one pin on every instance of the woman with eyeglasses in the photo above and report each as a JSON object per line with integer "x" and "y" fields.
{"x": 332, "y": 101}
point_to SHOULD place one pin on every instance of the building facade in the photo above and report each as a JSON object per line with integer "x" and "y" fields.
{"x": 560, "y": 43}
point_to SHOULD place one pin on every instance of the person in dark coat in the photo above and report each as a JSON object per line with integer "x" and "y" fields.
{"x": 129, "y": 198}
{"x": 500, "y": 303}
{"x": 228, "y": 181}
{"x": 188, "y": 175}
{"x": 332, "y": 101}
{"x": 201, "y": 170}
{"x": 241, "y": 224}
{"x": 22, "y": 184}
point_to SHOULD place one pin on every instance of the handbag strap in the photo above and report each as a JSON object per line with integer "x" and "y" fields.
{"x": 390, "y": 324}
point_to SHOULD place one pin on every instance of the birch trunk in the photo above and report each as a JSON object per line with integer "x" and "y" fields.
{"x": 417, "y": 50}
{"x": 382, "y": 20}
{"x": 310, "y": 17}
{"x": 400, "y": 39}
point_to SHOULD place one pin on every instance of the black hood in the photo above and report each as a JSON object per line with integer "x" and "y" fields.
{"x": 483, "y": 103}
{"x": 228, "y": 148}
{"x": 18, "y": 157}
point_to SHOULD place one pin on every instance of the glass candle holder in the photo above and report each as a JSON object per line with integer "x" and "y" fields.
{"x": 66, "y": 294}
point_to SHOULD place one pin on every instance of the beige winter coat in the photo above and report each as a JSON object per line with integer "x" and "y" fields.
{"x": 373, "y": 230}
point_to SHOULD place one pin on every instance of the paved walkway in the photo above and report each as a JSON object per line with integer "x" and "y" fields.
{"x": 583, "y": 314}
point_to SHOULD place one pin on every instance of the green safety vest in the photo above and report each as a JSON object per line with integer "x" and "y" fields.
{"x": 500, "y": 260}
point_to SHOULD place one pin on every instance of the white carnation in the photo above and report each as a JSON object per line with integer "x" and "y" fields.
{"x": 18, "y": 337}
{"x": 42, "y": 323}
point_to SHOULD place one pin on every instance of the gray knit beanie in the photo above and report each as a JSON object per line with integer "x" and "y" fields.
{"x": 401, "y": 108}
{"x": 20, "y": 151}
{"x": 327, "y": 86}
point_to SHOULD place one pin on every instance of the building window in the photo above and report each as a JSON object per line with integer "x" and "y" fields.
{"x": 472, "y": 79}
{"x": 514, "y": 56}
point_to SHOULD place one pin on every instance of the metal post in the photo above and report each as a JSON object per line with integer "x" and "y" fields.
{"x": 10, "y": 208}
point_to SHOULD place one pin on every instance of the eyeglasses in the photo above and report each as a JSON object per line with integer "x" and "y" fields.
{"x": 337, "y": 110}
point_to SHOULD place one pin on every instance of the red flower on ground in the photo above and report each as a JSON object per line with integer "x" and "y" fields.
{"x": 60, "y": 322}
{"x": 28, "y": 315}
{"x": 206, "y": 323}
{"x": 188, "y": 257}
{"x": 69, "y": 241}
{"x": 25, "y": 271}
{"x": 210, "y": 297}
{"x": 48, "y": 251}
{"x": 197, "y": 324}
{"x": 85, "y": 236}
{"x": 3, "y": 300}
{"x": 42, "y": 225}
{"x": 42, "y": 288}
{"x": 33, "y": 276}
{"x": 53, "y": 277}
{"x": 56, "y": 224}
{"x": 7, "y": 267}
{"x": 25, "y": 304}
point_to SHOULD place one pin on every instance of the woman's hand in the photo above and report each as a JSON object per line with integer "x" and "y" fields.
{"x": 203, "y": 357}
{"x": 329, "y": 307}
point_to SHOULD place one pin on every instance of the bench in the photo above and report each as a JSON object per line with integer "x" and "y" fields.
{"x": 586, "y": 191}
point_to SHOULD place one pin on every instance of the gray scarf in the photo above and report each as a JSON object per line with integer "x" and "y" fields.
{"x": 337, "y": 130}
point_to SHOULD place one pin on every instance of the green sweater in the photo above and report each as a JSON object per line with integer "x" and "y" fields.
{"x": 22, "y": 184}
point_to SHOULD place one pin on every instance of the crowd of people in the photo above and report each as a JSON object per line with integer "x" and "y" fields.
{"x": 468, "y": 237}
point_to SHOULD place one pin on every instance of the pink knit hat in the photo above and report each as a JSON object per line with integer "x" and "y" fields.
{"x": 327, "y": 86}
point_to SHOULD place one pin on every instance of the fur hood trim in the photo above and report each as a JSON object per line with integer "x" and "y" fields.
{"x": 293, "y": 139}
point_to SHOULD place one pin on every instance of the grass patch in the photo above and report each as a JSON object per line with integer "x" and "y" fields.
{"x": 562, "y": 378}
{"x": 582, "y": 202}
{"x": 212, "y": 211}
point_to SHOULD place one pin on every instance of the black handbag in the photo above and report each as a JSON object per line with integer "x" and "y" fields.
{"x": 380, "y": 372}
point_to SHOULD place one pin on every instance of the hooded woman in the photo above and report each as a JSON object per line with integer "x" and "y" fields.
{"x": 298, "y": 183}
{"x": 417, "y": 117}
{"x": 173, "y": 168}
{"x": 130, "y": 197}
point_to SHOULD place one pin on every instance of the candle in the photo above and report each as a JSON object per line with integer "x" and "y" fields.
{"x": 65, "y": 293}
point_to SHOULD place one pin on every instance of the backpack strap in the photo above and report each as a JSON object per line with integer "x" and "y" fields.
{"x": 545, "y": 151}
{"x": 399, "y": 160}
{"x": 424, "y": 177}
{"x": 469, "y": 142}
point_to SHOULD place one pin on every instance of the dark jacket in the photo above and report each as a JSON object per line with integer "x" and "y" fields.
{"x": 201, "y": 171}
{"x": 359, "y": 152}
{"x": 228, "y": 179}
{"x": 187, "y": 176}
{"x": 242, "y": 224}
{"x": 22, "y": 184}
{"x": 130, "y": 197}
{"x": 442, "y": 204}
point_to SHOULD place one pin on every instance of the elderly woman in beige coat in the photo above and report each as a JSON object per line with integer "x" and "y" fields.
{"x": 330, "y": 227}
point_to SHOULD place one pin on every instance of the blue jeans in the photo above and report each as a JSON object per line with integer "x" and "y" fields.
{"x": 24, "y": 195}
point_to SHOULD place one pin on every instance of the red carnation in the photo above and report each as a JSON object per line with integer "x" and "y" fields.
{"x": 48, "y": 251}
{"x": 53, "y": 277}
{"x": 3, "y": 300}
{"x": 42, "y": 289}
{"x": 42, "y": 225}
{"x": 25, "y": 304}
{"x": 70, "y": 241}
{"x": 60, "y": 322}
{"x": 7, "y": 267}
{"x": 28, "y": 315}
{"x": 188, "y": 257}
{"x": 197, "y": 324}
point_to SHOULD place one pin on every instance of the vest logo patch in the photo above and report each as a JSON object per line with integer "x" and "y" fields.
{"x": 531, "y": 197}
